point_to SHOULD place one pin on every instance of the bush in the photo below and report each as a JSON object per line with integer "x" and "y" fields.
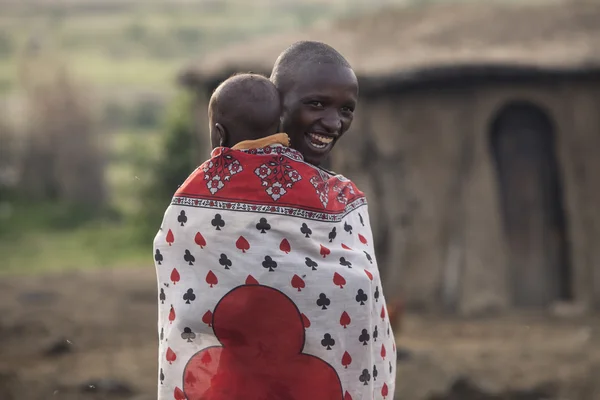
{"x": 61, "y": 159}
{"x": 175, "y": 163}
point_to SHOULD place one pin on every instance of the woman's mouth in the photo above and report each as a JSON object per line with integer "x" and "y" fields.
{"x": 318, "y": 141}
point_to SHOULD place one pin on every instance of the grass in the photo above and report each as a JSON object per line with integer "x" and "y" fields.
{"x": 38, "y": 238}
{"x": 49, "y": 237}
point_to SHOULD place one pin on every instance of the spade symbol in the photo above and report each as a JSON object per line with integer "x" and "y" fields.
{"x": 323, "y": 301}
{"x": 364, "y": 337}
{"x": 189, "y": 296}
{"x": 345, "y": 262}
{"x": 375, "y": 373}
{"x": 311, "y": 264}
{"x": 348, "y": 228}
{"x": 162, "y": 296}
{"x": 182, "y": 219}
{"x": 365, "y": 377}
{"x": 162, "y": 333}
{"x": 332, "y": 234}
{"x": 162, "y": 376}
{"x": 263, "y": 226}
{"x": 368, "y": 257}
{"x": 390, "y": 367}
{"x": 306, "y": 230}
{"x": 269, "y": 264}
{"x": 218, "y": 222}
{"x": 224, "y": 261}
{"x": 361, "y": 220}
{"x": 376, "y": 294}
{"x": 375, "y": 334}
{"x": 361, "y": 297}
{"x": 327, "y": 341}
{"x": 188, "y": 335}
{"x": 158, "y": 257}
{"x": 189, "y": 257}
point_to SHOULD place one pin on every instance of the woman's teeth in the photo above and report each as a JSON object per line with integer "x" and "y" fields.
{"x": 319, "y": 141}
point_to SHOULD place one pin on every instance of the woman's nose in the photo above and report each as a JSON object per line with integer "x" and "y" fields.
{"x": 332, "y": 122}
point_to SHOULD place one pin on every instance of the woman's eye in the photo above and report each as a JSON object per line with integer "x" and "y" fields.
{"x": 347, "y": 109}
{"x": 316, "y": 103}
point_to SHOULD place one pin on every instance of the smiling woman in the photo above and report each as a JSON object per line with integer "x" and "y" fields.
{"x": 320, "y": 92}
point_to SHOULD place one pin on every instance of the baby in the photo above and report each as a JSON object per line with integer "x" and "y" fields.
{"x": 244, "y": 112}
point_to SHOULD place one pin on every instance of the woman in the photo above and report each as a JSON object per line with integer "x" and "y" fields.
{"x": 269, "y": 285}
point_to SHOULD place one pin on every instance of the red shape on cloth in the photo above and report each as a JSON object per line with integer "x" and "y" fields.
{"x": 262, "y": 335}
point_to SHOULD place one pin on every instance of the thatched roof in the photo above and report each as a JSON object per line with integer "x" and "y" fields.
{"x": 553, "y": 34}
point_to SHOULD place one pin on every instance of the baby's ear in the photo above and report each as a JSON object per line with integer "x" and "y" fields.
{"x": 221, "y": 133}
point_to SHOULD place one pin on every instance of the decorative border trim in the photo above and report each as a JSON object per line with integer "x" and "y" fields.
{"x": 269, "y": 209}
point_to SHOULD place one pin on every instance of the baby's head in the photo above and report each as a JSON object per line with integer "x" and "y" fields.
{"x": 243, "y": 107}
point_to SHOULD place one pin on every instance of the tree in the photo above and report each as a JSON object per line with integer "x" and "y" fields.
{"x": 177, "y": 159}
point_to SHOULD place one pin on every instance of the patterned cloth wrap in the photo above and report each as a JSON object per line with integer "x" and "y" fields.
{"x": 268, "y": 285}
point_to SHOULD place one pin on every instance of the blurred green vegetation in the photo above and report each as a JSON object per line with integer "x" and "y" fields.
{"x": 128, "y": 53}
{"x": 139, "y": 44}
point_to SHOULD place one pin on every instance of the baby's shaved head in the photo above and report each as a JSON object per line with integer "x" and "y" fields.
{"x": 246, "y": 106}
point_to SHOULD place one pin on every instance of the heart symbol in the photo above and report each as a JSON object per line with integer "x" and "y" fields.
{"x": 170, "y": 237}
{"x": 298, "y": 283}
{"x": 362, "y": 239}
{"x": 171, "y": 315}
{"x": 339, "y": 280}
{"x": 207, "y": 318}
{"x": 211, "y": 279}
{"x": 345, "y": 319}
{"x": 285, "y": 246}
{"x": 171, "y": 356}
{"x": 346, "y": 360}
{"x": 199, "y": 239}
{"x": 175, "y": 276}
{"x": 325, "y": 251}
{"x": 242, "y": 244}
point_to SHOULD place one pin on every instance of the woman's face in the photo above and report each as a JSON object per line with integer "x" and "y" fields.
{"x": 318, "y": 108}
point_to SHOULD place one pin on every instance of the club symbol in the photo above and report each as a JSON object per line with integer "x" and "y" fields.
{"x": 323, "y": 301}
{"x": 332, "y": 234}
{"x": 345, "y": 263}
{"x": 224, "y": 261}
{"x": 361, "y": 297}
{"x": 263, "y": 226}
{"x": 365, "y": 377}
{"x": 327, "y": 341}
{"x": 189, "y": 258}
{"x": 311, "y": 264}
{"x": 364, "y": 337}
{"x": 348, "y": 228}
{"x": 269, "y": 264}
{"x": 158, "y": 257}
{"x": 182, "y": 218}
{"x": 218, "y": 222}
{"x": 189, "y": 296}
{"x": 306, "y": 230}
{"x": 188, "y": 335}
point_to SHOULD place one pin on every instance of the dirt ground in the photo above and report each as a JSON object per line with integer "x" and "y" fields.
{"x": 92, "y": 336}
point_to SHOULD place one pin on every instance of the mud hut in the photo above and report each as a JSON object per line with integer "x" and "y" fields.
{"x": 477, "y": 133}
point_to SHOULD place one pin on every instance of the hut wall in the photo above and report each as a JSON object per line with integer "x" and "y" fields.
{"x": 577, "y": 126}
{"x": 424, "y": 160}
{"x": 420, "y": 159}
{"x": 580, "y": 147}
